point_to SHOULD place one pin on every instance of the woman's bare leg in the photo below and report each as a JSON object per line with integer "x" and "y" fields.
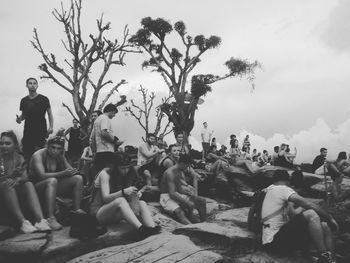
{"x": 47, "y": 190}
{"x": 27, "y": 193}
{"x": 9, "y": 196}
{"x": 146, "y": 216}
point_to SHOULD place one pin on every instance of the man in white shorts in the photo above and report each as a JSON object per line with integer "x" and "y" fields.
{"x": 174, "y": 197}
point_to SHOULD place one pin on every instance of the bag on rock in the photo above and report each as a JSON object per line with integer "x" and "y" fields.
{"x": 85, "y": 226}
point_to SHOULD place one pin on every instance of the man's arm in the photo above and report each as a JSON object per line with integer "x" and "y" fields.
{"x": 49, "y": 113}
{"x": 148, "y": 154}
{"x": 300, "y": 201}
{"x": 172, "y": 190}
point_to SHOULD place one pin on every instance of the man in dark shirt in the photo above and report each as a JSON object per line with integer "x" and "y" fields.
{"x": 318, "y": 163}
{"x": 34, "y": 107}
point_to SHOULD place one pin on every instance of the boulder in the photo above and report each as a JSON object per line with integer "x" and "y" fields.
{"x": 160, "y": 248}
{"x": 225, "y": 233}
{"x": 262, "y": 257}
{"x": 6, "y": 232}
{"x": 237, "y": 216}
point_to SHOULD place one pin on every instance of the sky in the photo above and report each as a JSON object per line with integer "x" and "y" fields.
{"x": 301, "y": 94}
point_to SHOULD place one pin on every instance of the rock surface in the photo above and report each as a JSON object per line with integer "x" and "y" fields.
{"x": 6, "y": 232}
{"x": 238, "y": 216}
{"x": 160, "y": 248}
{"x": 225, "y": 233}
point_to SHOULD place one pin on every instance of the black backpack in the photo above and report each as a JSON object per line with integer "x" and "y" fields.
{"x": 255, "y": 222}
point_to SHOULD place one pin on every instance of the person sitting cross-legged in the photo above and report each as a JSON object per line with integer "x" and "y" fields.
{"x": 53, "y": 176}
{"x": 307, "y": 222}
{"x": 176, "y": 199}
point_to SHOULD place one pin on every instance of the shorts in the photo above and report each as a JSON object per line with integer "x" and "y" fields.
{"x": 170, "y": 205}
{"x": 292, "y": 236}
{"x": 151, "y": 167}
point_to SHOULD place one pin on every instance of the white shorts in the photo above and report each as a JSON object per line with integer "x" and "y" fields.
{"x": 170, "y": 205}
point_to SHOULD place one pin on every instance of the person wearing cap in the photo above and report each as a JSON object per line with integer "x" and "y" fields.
{"x": 102, "y": 139}
{"x": 53, "y": 176}
{"x": 292, "y": 222}
{"x": 34, "y": 108}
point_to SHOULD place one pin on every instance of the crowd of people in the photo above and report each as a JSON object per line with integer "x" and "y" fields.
{"x": 42, "y": 171}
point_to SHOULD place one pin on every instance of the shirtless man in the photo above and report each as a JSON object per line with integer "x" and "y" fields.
{"x": 175, "y": 199}
{"x": 52, "y": 175}
{"x": 147, "y": 156}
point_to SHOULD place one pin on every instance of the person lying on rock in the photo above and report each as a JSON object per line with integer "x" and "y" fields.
{"x": 339, "y": 197}
{"x": 308, "y": 223}
{"x": 215, "y": 163}
{"x": 53, "y": 176}
{"x": 16, "y": 189}
{"x": 190, "y": 178}
{"x": 179, "y": 200}
{"x": 238, "y": 159}
{"x": 147, "y": 158}
{"x": 111, "y": 206}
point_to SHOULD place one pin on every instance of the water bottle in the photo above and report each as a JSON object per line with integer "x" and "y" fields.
{"x": 2, "y": 167}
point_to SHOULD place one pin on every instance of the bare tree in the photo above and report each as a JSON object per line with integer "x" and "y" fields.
{"x": 85, "y": 60}
{"x": 175, "y": 67}
{"x": 144, "y": 113}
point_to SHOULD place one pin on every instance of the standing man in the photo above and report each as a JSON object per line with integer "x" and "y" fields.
{"x": 206, "y": 138}
{"x": 34, "y": 107}
{"x": 102, "y": 140}
{"x": 318, "y": 163}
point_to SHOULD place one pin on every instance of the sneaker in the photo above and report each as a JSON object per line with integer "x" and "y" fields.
{"x": 325, "y": 257}
{"x": 145, "y": 231}
{"x": 42, "y": 226}
{"x": 27, "y": 227}
{"x": 53, "y": 224}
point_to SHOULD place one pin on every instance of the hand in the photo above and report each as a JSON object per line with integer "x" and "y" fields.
{"x": 18, "y": 119}
{"x": 71, "y": 171}
{"x": 11, "y": 182}
{"x": 49, "y": 131}
{"x": 130, "y": 190}
{"x": 188, "y": 189}
{"x": 139, "y": 194}
{"x": 333, "y": 225}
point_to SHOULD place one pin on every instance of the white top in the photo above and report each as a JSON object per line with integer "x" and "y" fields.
{"x": 144, "y": 151}
{"x": 206, "y": 134}
{"x": 276, "y": 198}
{"x": 102, "y": 123}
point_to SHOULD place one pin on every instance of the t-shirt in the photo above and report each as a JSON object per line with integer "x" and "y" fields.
{"x": 102, "y": 123}
{"x": 318, "y": 162}
{"x": 206, "y": 134}
{"x": 276, "y": 198}
{"x": 34, "y": 110}
{"x": 145, "y": 148}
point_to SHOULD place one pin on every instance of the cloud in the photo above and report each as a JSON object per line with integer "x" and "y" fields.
{"x": 308, "y": 142}
{"x": 336, "y": 32}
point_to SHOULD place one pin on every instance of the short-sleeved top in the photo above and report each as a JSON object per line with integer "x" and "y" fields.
{"x": 34, "y": 110}
{"x": 276, "y": 198}
{"x": 102, "y": 123}
{"x": 318, "y": 162}
{"x": 206, "y": 134}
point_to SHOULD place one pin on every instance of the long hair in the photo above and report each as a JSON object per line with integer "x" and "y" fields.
{"x": 13, "y": 137}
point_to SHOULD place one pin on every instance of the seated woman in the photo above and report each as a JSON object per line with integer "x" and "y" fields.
{"x": 343, "y": 164}
{"x": 110, "y": 206}
{"x": 215, "y": 163}
{"x": 15, "y": 189}
{"x": 285, "y": 158}
{"x": 238, "y": 160}
{"x": 180, "y": 141}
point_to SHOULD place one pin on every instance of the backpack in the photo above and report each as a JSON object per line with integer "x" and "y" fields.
{"x": 255, "y": 222}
